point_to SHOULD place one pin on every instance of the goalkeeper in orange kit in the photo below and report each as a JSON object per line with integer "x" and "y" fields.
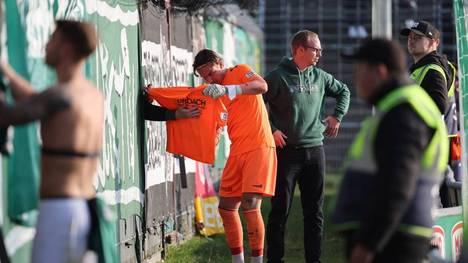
{"x": 250, "y": 171}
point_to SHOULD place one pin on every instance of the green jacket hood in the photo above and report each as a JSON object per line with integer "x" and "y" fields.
{"x": 288, "y": 65}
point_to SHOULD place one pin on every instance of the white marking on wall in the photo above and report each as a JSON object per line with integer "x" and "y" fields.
{"x": 190, "y": 165}
{"x": 113, "y": 73}
{"x": 70, "y": 9}
{"x": 122, "y": 196}
{"x": 124, "y": 47}
{"x": 3, "y": 43}
{"x": 155, "y": 166}
{"x": 182, "y": 64}
{"x": 154, "y": 175}
{"x": 39, "y": 23}
{"x": 18, "y": 237}
{"x": 113, "y": 14}
{"x": 229, "y": 45}
{"x": 109, "y": 160}
{"x": 162, "y": 66}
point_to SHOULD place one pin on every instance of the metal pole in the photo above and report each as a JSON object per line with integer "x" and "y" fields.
{"x": 382, "y": 19}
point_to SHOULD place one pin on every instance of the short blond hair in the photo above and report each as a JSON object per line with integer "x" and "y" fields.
{"x": 300, "y": 39}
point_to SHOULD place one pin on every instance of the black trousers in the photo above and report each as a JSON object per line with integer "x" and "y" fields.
{"x": 401, "y": 248}
{"x": 3, "y": 253}
{"x": 306, "y": 166}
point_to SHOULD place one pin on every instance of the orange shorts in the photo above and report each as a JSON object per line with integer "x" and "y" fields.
{"x": 250, "y": 172}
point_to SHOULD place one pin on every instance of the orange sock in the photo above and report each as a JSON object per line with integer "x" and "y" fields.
{"x": 255, "y": 230}
{"x": 232, "y": 229}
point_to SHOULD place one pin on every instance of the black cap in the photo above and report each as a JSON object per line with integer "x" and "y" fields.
{"x": 422, "y": 28}
{"x": 379, "y": 51}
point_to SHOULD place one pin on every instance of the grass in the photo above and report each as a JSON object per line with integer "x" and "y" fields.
{"x": 214, "y": 249}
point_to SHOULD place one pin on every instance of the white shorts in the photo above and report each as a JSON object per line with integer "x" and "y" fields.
{"x": 62, "y": 231}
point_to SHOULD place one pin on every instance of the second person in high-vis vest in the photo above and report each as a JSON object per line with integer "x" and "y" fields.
{"x": 436, "y": 75}
{"x": 430, "y": 70}
{"x": 386, "y": 202}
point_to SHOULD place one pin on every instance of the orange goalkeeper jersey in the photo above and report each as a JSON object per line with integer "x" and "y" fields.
{"x": 192, "y": 137}
{"x": 248, "y": 125}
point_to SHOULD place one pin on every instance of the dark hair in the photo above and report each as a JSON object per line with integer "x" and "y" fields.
{"x": 205, "y": 56}
{"x": 381, "y": 51}
{"x": 301, "y": 38}
{"x": 81, "y": 35}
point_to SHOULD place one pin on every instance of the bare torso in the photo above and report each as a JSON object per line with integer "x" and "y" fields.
{"x": 78, "y": 128}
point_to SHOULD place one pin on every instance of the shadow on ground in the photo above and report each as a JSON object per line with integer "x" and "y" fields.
{"x": 214, "y": 249}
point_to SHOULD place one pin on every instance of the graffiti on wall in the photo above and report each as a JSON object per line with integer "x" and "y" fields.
{"x": 71, "y": 9}
{"x": 115, "y": 72}
{"x": 162, "y": 67}
{"x": 118, "y": 161}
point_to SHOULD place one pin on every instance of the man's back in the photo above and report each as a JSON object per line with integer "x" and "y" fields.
{"x": 72, "y": 139}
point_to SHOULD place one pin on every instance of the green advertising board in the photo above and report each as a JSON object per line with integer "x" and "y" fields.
{"x": 448, "y": 232}
{"x": 460, "y": 8}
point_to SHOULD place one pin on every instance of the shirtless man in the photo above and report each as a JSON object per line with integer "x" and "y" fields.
{"x": 72, "y": 121}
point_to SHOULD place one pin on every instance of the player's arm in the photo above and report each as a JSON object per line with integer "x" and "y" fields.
{"x": 249, "y": 83}
{"x": 20, "y": 88}
{"x": 35, "y": 107}
{"x": 157, "y": 113}
{"x": 252, "y": 83}
{"x": 254, "y": 87}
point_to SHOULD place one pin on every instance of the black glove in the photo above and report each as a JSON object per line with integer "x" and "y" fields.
{"x": 6, "y": 134}
{"x": 6, "y": 140}
{"x": 3, "y": 86}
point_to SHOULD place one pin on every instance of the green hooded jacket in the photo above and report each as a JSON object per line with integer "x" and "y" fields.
{"x": 296, "y": 102}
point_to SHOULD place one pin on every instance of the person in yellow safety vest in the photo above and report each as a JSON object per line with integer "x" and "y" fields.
{"x": 432, "y": 71}
{"x": 385, "y": 205}
{"x": 435, "y": 74}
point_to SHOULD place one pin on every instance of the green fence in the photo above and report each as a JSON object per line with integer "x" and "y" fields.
{"x": 138, "y": 44}
{"x": 461, "y": 12}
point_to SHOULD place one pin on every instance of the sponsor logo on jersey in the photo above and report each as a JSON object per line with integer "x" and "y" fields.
{"x": 200, "y": 103}
{"x": 249, "y": 74}
{"x": 224, "y": 116}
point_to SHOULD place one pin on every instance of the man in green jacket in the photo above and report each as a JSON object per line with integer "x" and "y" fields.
{"x": 296, "y": 98}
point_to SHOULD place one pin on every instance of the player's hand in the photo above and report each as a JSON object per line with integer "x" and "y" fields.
{"x": 144, "y": 92}
{"x": 332, "y": 126}
{"x": 184, "y": 113}
{"x": 279, "y": 137}
{"x": 361, "y": 254}
{"x": 215, "y": 91}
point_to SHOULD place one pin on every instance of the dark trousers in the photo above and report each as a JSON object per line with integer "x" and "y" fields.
{"x": 3, "y": 253}
{"x": 305, "y": 166}
{"x": 401, "y": 248}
